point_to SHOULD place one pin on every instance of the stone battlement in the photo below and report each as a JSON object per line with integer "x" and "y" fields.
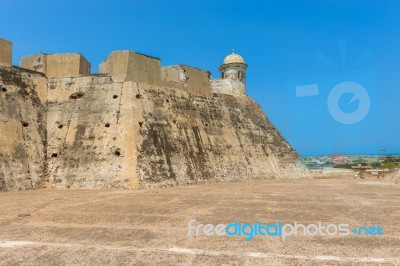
{"x": 57, "y": 65}
{"x": 125, "y": 66}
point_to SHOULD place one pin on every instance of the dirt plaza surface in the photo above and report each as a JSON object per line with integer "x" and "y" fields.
{"x": 150, "y": 227}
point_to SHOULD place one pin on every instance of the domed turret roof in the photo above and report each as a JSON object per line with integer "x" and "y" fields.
{"x": 234, "y": 59}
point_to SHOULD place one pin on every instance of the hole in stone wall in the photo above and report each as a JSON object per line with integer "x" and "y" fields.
{"x": 117, "y": 153}
{"x": 215, "y": 95}
{"x": 206, "y": 125}
{"x": 174, "y": 121}
{"x": 76, "y": 95}
{"x": 3, "y": 89}
{"x": 138, "y": 96}
{"x": 60, "y": 126}
{"x": 115, "y": 96}
{"x": 25, "y": 124}
{"x": 140, "y": 124}
{"x": 107, "y": 125}
{"x": 167, "y": 101}
{"x": 54, "y": 155}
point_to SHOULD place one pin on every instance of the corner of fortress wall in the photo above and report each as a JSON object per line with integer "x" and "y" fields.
{"x": 127, "y": 128}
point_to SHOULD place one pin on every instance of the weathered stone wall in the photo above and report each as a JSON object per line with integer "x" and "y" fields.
{"x": 22, "y": 131}
{"x": 105, "y": 134}
{"x": 57, "y": 65}
{"x": 5, "y": 53}
{"x": 228, "y": 86}
{"x": 131, "y": 66}
{"x": 91, "y": 133}
{"x": 186, "y": 78}
{"x": 191, "y": 139}
{"x": 34, "y": 62}
{"x": 116, "y": 65}
{"x": 67, "y": 65}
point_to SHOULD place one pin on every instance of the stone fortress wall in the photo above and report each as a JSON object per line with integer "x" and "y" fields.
{"x": 135, "y": 124}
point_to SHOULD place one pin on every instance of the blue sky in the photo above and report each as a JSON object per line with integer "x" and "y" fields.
{"x": 278, "y": 39}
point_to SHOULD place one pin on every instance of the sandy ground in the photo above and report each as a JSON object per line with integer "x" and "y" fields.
{"x": 122, "y": 227}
